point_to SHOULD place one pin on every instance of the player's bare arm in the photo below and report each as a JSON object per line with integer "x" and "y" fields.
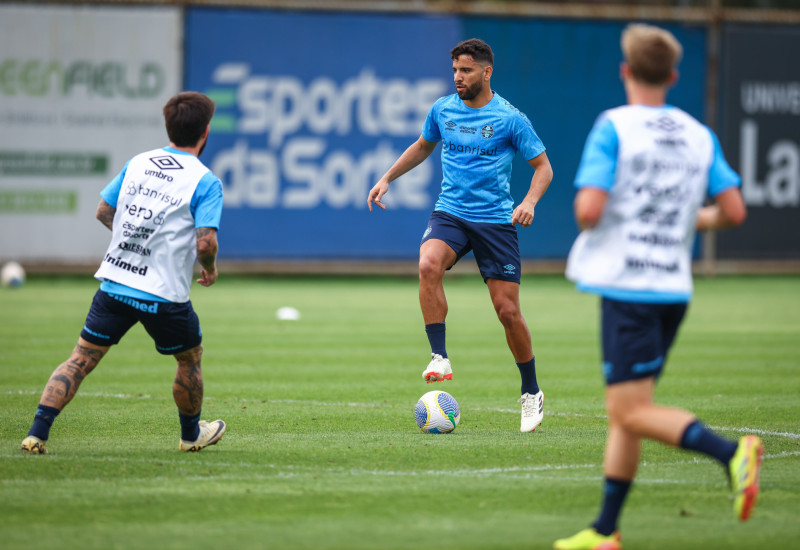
{"x": 589, "y": 205}
{"x": 105, "y": 213}
{"x": 542, "y": 176}
{"x": 727, "y": 211}
{"x": 411, "y": 157}
{"x": 207, "y": 248}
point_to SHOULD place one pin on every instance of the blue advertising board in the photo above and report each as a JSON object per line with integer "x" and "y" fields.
{"x": 312, "y": 109}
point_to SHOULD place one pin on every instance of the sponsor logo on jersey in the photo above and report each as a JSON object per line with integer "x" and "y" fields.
{"x": 159, "y": 175}
{"x": 166, "y": 162}
{"x": 451, "y": 147}
{"x": 664, "y": 124}
{"x": 641, "y": 264}
{"x": 122, "y": 264}
{"x": 135, "y": 248}
{"x": 668, "y": 141}
{"x": 655, "y": 239}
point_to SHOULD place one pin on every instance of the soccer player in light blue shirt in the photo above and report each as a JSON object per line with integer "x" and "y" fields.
{"x": 160, "y": 224}
{"x": 645, "y": 173}
{"x": 480, "y": 133}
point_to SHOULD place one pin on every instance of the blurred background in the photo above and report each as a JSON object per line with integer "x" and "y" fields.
{"x": 316, "y": 99}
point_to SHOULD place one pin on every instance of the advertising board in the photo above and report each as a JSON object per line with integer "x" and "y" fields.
{"x": 81, "y": 92}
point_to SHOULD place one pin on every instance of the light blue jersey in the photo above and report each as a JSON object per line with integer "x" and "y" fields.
{"x": 478, "y": 146}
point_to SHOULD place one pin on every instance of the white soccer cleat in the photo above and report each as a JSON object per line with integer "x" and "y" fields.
{"x": 438, "y": 370}
{"x": 532, "y": 411}
{"x": 210, "y": 434}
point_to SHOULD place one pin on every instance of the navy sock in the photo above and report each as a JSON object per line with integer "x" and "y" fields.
{"x": 614, "y": 493}
{"x": 45, "y": 416}
{"x": 528, "y": 373}
{"x": 698, "y": 438}
{"x": 435, "y": 332}
{"x": 190, "y": 427}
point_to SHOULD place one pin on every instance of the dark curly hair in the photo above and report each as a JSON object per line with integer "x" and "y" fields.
{"x": 186, "y": 116}
{"x": 475, "y": 47}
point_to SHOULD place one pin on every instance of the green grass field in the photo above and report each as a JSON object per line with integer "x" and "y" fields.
{"x": 322, "y": 451}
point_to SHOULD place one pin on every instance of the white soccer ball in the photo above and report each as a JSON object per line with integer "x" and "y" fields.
{"x": 437, "y": 412}
{"x": 12, "y": 274}
{"x": 287, "y": 314}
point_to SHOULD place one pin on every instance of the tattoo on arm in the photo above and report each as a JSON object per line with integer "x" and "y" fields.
{"x": 105, "y": 213}
{"x": 207, "y": 248}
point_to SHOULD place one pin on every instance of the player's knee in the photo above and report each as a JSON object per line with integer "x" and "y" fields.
{"x": 508, "y": 314}
{"x": 624, "y": 415}
{"x": 429, "y": 268}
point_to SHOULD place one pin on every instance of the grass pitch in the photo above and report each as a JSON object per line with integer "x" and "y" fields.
{"x": 322, "y": 450}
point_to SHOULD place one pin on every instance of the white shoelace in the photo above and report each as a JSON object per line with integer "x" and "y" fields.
{"x": 529, "y": 405}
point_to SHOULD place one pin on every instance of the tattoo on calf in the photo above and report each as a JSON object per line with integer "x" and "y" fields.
{"x": 188, "y": 388}
{"x": 53, "y": 389}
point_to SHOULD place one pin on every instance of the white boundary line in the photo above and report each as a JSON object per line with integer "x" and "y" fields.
{"x": 288, "y": 471}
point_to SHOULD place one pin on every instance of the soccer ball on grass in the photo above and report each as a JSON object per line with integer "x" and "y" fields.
{"x": 12, "y": 274}
{"x": 437, "y": 412}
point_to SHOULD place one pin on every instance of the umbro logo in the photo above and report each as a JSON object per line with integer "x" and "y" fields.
{"x": 665, "y": 124}
{"x": 509, "y": 269}
{"x": 449, "y": 123}
{"x": 166, "y": 163}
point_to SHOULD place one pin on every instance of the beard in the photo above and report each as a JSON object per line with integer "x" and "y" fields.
{"x": 202, "y": 147}
{"x": 471, "y": 92}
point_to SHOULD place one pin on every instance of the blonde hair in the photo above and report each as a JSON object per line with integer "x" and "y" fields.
{"x": 651, "y": 53}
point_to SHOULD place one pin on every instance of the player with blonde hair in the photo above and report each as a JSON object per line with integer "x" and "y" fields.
{"x": 645, "y": 172}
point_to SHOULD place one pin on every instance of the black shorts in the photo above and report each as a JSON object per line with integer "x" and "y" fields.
{"x": 174, "y": 328}
{"x": 637, "y": 338}
{"x": 496, "y": 245}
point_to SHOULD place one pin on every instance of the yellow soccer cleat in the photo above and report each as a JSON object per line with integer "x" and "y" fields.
{"x": 32, "y": 445}
{"x": 589, "y": 539}
{"x": 744, "y": 468}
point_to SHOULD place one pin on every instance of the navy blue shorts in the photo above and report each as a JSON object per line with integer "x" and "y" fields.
{"x": 174, "y": 328}
{"x": 637, "y": 338}
{"x": 495, "y": 245}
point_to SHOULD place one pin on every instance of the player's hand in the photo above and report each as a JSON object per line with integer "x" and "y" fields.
{"x": 208, "y": 278}
{"x": 523, "y": 215}
{"x": 376, "y": 194}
